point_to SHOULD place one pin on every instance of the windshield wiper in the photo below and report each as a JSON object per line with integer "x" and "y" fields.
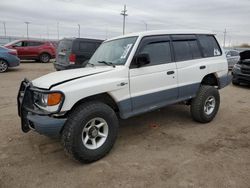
{"x": 90, "y": 64}
{"x": 107, "y": 63}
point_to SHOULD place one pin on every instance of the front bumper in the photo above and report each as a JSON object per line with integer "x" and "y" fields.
{"x": 34, "y": 118}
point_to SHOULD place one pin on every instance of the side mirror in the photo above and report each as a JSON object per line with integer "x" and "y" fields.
{"x": 141, "y": 59}
{"x": 228, "y": 55}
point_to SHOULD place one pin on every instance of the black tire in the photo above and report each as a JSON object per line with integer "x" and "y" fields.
{"x": 198, "y": 104}
{"x": 3, "y": 66}
{"x": 77, "y": 120}
{"x": 235, "y": 82}
{"x": 44, "y": 58}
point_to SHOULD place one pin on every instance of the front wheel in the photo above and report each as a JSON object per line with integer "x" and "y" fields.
{"x": 205, "y": 105}
{"x": 90, "y": 131}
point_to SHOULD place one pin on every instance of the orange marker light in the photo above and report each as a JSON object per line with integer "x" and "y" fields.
{"x": 54, "y": 99}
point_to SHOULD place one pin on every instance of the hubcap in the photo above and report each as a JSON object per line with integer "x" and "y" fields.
{"x": 3, "y": 66}
{"x": 45, "y": 58}
{"x": 209, "y": 105}
{"x": 95, "y": 133}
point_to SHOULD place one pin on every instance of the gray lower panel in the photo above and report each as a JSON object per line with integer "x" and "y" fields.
{"x": 152, "y": 101}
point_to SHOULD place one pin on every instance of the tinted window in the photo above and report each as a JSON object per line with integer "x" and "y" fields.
{"x": 194, "y": 48}
{"x": 33, "y": 43}
{"x": 186, "y": 50}
{"x": 87, "y": 46}
{"x": 182, "y": 51}
{"x": 159, "y": 52}
{"x": 209, "y": 46}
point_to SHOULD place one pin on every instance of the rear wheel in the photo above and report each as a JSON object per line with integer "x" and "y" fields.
{"x": 205, "y": 105}
{"x": 44, "y": 58}
{"x": 3, "y": 65}
{"x": 90, "y": 131}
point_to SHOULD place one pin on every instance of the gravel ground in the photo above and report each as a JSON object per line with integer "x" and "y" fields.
{"x": 164, "y": 148}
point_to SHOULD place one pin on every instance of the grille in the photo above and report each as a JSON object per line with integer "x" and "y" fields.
{"x": 245, "y": 70}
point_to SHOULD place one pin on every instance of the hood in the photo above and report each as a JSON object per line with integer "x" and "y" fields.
{"x": 55, "y": 78}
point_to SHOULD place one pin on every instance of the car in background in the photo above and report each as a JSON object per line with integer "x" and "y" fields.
{"x": 74, "y": 52}
{"x": 241, "y": 70}
{"x": 41, "y": 51}
{"x": 233, "y": 56}
{"x": 8, "y": 58}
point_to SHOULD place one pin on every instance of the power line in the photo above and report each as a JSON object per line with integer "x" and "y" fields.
{"x": 124, "y": 14}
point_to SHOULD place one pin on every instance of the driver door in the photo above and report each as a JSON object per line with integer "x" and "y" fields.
{"x": 153, "y": 85}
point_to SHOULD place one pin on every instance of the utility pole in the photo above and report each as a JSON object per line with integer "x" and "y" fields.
{"x": 48, "y": 32}
{"x": 224, "y": 41}
{"x": 4, "y": 27}
{"x": 27, "y": 24}
{"x": 124, "y": 14}
{"x": 79, "y": 30}
{"x": 146, "y": 25}
{"x": 57, "y": 30}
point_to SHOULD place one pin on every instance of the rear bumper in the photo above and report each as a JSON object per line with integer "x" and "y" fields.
{"x": 13, "y": 61}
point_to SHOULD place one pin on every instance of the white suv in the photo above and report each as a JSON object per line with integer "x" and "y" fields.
{"x": 126, "y": 76}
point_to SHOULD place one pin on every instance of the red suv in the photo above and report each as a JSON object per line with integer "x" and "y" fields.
{"x": 41, "y": 51}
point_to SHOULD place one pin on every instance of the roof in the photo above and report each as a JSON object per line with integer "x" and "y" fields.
{"x": 164, "y": 32}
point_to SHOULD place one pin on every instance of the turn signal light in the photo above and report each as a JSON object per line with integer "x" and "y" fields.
{"x": 54, "y": 99}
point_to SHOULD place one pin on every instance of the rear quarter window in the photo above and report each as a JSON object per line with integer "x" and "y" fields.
{"x": 87, "y": 46}
{"x": 209, "y": 46}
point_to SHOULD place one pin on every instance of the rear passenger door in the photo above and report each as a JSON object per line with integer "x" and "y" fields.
{"x": 155, "y": 84}
{"x": 191, "y": 67}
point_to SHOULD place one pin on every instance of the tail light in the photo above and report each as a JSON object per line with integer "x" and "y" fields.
{"x": 13, "y": 52}
{"x": 72, "y": 59}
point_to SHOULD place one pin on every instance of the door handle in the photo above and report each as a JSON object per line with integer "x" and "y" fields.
{"x": 122, "y": 84}
{"x": 202, "y": 67}
{"x": 170, "y": 72}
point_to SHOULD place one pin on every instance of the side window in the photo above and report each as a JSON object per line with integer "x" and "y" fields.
{"x": 194, "y": 48}
{"x": 87, "y": 46}
{"x": 159, "y": 52}
{"x": 33, "y": 43}
{"x": 234, "y": 53}
{"x": 209, "y": 46}
{"x": 182, "y": 50}
{"x": 186, "y": 50}
{"x": 18, "y": 44}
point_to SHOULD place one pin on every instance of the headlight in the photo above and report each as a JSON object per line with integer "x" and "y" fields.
{"x": 48, "y": 101}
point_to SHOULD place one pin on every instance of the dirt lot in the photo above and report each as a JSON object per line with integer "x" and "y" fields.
{"x": 164, "y": 148}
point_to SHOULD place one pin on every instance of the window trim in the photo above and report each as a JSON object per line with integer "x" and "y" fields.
{"x": 142, "y": 44}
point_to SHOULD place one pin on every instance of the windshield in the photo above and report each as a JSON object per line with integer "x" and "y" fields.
{"x": 114, "y": 51}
